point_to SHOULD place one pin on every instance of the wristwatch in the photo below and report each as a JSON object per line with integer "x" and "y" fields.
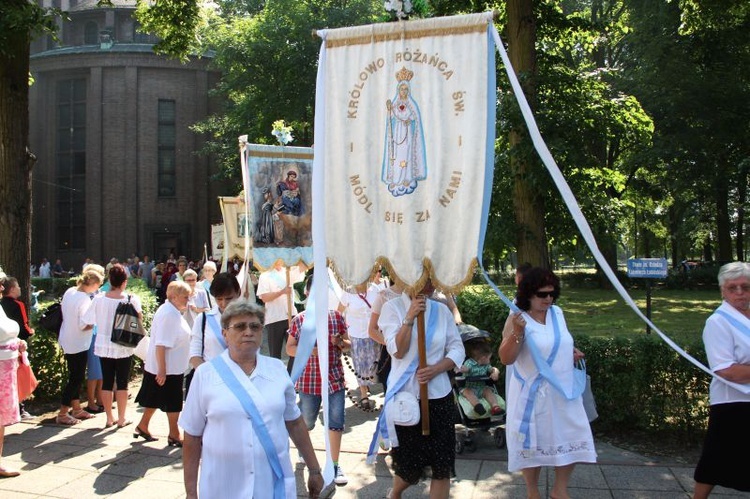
{"x": 407, "y": 323}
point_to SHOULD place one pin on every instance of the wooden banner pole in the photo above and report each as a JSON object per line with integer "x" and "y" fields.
{"x": 289, "y": 298}
{"x": 424, "y": 399}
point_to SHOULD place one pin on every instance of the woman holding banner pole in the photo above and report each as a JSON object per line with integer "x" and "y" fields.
{"x": 412, "y": 449}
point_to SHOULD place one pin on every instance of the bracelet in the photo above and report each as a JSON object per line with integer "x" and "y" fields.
{"x": 517, "y": 338}
{"x": 407, "y": 323}
{"x": 314, "y": 471}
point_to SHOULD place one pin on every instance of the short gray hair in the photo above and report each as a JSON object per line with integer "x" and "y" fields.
{"x": 732, "y": 271}
{"x": 241, "y": 307}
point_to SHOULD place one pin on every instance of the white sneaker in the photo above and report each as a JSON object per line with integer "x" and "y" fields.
{"x": 338, "y": 476}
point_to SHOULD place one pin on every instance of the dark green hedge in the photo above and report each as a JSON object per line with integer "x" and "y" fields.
{"x": 45, "y": 355}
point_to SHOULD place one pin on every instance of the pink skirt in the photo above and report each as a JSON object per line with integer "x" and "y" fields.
{"x": 8, "y": 392}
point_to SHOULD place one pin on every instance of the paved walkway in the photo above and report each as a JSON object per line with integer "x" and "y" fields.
{"x": 88, "y": 461}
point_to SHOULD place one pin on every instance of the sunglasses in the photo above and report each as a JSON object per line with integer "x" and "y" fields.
{"x": 545, "y": 294}
{"x": 242, "y": 326}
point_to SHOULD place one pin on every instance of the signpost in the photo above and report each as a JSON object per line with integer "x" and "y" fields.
{"x": 647, "y": 268}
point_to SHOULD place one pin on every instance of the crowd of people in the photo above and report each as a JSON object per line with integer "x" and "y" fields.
{"x": 204, "y": 369}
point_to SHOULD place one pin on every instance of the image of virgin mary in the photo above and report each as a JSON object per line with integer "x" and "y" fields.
{"x": 404, "y": 162}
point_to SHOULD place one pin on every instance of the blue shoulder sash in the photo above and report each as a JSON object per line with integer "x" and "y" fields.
{"x": 234, "y": 385}
{"x": 739, "y": 326}
{"x": 216, "y": 329}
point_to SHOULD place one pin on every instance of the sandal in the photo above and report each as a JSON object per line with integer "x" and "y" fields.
{"x": 66, "y": 420}
{"x": 82, "y": 415}
{"x": 124, "y": 423}
{"x": 94, "y": 409}
{"x": 365, "y": 404}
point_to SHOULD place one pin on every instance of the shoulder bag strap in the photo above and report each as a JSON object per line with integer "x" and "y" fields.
{"x": 203, "y": 335}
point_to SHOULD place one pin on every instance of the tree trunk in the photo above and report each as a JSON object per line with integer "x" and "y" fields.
{"x": 531, "y": 240}
{"x": 15, "y": 160}
{"x": 741, "y": 200}
{"x": 723, "y": 225}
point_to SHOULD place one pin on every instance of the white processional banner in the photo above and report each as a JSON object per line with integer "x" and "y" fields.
{"x": 217, "y": 241}
{"x": 237, "y": 226}
{"x": 408, "y": 128}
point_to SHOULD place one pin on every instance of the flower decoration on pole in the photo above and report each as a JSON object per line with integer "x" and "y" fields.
{"x": 282, "y": 132}
{"x": 400, "y": 9}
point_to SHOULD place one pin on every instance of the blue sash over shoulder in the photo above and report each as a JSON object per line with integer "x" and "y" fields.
{"x": 234, "y": 385}
{"x": 739, "y": 326}
{"x": 546, "y": 373}
{"x": 216, "y": 329}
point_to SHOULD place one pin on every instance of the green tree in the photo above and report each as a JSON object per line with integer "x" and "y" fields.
{"x": 684, "y": 66}
{"x": 596, "y": 131}
{"x": 268, "y": 58}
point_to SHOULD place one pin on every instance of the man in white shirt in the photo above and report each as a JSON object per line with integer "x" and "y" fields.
{"x": 278, "y": 296}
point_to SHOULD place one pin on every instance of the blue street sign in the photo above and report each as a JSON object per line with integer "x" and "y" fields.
{"x": 647, "y": 268}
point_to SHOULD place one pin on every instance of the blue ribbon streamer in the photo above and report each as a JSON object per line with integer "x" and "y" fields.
{"x": 307, "y": 339}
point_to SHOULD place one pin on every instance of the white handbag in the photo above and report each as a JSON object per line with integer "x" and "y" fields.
{"x": 141, "y": 349}
{"x": 403, "y": 410}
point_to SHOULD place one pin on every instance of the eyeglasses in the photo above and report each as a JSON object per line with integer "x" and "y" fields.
{"x": 190, "y": 280}
{"x": 242, "y": 326}
{"x": 545, "y": 294}
{"x": 738, "y": 288}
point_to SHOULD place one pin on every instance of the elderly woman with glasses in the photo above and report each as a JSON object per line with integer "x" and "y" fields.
{"x": 545, "y": 427}
{"x": 726, "y": 337}
{"x": 239, "y": 415}
{"x": 198, "y": 301}
{"x": 166, "y": 361}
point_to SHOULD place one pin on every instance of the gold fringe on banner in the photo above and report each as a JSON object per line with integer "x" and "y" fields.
{"x": 405, "y": 35}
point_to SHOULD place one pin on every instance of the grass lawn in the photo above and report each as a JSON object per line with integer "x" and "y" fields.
{"x": 679, "y": 314}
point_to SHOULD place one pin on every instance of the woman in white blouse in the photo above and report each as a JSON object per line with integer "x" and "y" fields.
{"x": 223, "y": 441}
{"x": 411, "y": 450}
{"x": 166, "y": 361}
{"x": 116, "y": 359}
{"x": 75, "y": 341}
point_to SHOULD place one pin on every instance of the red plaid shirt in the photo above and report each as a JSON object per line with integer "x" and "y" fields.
{"x": 309, "y": 382}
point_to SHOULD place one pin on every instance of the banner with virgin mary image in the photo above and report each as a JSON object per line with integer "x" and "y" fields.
{"x": 404, "y": 138}
{"x": 278, "y": 185}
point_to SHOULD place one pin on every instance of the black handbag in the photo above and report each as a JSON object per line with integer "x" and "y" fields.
{"x": 127, "y": 330}
{"x": 383, "y": 366}
{"x": 52, "y": 318}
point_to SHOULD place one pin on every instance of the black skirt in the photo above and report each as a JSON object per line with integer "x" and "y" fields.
{"x": 724, "y": 460}
{"x": 436, "y": 450}
{"x": 168, "y": 397}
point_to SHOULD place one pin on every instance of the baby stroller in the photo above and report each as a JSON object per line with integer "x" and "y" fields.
{"x": 469, "y": 420}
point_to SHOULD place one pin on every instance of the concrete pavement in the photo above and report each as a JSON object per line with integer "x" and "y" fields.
{"x": 88, "y": 461}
